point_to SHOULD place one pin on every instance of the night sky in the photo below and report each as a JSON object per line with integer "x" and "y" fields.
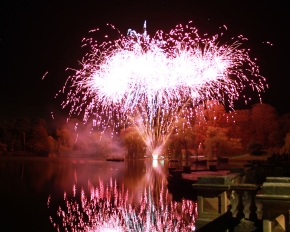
{"x": 45, "y": 36}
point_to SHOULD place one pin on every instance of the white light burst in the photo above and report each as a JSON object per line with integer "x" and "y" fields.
{"x": 146, "y": 82}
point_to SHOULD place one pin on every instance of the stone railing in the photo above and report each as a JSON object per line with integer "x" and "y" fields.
{"x": 226, "y": 203}
{"x": 241, "y": 199}
{"x": 221, "y": 203}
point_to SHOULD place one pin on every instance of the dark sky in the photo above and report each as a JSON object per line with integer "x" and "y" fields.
{"x": 45, "y": 36}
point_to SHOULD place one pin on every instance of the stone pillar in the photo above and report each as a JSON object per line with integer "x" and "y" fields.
{"x": 276, "y": 204}
{"x": 212, "y": 200}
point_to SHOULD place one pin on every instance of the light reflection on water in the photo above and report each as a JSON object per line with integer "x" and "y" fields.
{"x": 108, "y": 208}
{"x": 26, "y": 184}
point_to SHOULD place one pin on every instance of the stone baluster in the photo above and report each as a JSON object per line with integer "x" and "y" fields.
{"x": 253, "y": 208}
{"x": 240, "y": 206}
{"x": 240, "y": 190}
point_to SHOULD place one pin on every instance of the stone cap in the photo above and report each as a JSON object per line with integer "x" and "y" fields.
{"x": 213, "y": 179}
{"x": 244, "y": 187}
{"x": 274, "y": 198}
{"x": 278, "y": 179}
{"x": 274, "y": 188}
{"x": 211, "y": 187}
{"x": 237, "y": 170}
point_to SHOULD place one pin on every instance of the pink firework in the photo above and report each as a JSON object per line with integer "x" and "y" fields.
{"x": 146, "y": 82}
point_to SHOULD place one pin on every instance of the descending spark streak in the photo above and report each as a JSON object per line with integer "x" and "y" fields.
{"x": 44, "y": 75}
{"x": 146, "y": 82}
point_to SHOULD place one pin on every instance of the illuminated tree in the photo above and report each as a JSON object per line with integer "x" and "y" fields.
{"x": 218, "y": 144}
{"x": 215, "y": 114}
{"x": 264, "y": 122}
{"x": 52, "y": 146}
{"x": 65, "y": 139}
{"x": 183, "y": 137}
{"x": 284, "y": 128}
{"x": 212, "y": 115}
{"x": 3, "y": 148}
{"x": 240, "y": 127}
{"x": 286, "y": 147}
{"x": 25, "y": 134}
{"x": 134, "y": 143}
{"x": 37, "y": 138}
{"x": 23, "y": 126}
{"x": 99, "y": 145}
{"x": 9, "y": 135}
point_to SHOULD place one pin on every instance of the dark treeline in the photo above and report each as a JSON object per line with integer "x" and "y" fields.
{"x": 24, "y": 136}
{"x": 209, "y": 130}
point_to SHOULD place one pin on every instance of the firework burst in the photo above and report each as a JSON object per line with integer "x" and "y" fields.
{"x": 146, "y": 82}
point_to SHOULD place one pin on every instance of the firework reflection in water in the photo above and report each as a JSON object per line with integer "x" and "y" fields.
{"x": 109, "y": 209}
{"x": 146, "y": 82}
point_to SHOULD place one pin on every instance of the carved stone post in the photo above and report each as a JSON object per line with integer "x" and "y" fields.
{"x": 252, "y": 190}
{"x": 276, "y": 204}
{"x": 253, "y": 208}
{"x": 240, "y": 206}
{"x": 212, "y": 199}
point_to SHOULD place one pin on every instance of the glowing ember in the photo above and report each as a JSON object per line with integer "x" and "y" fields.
{"x": 110, "y": 209}
{"x": 146, "y": 82}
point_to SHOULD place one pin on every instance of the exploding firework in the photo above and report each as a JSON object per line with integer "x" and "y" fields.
{"x": 109, "y": 209}
{"x": 146, "y": 82}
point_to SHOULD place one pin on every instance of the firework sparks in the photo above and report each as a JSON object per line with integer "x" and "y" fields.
{"x": 109, "y": 209}
{"x": 146, "y": 82}
{"x": 44, "y": 75}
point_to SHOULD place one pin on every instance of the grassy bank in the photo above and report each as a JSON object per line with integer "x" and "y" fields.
{"x": 246, "y": 157}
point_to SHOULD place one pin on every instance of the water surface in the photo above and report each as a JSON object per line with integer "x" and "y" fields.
{"x": 27, "y": 184}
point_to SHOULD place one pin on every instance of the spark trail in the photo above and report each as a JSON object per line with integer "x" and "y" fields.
{"x": 147, "y": 82}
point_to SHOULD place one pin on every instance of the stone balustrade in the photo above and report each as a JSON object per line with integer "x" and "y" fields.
{"x": 225, "y": 203}
{"x": 253, "y": 198}
{"x": 221, "y": 203}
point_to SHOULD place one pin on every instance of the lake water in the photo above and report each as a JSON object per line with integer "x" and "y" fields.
{"x": 41, "y": 194}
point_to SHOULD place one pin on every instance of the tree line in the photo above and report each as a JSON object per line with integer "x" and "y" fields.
{"x": 208, "y": 130}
